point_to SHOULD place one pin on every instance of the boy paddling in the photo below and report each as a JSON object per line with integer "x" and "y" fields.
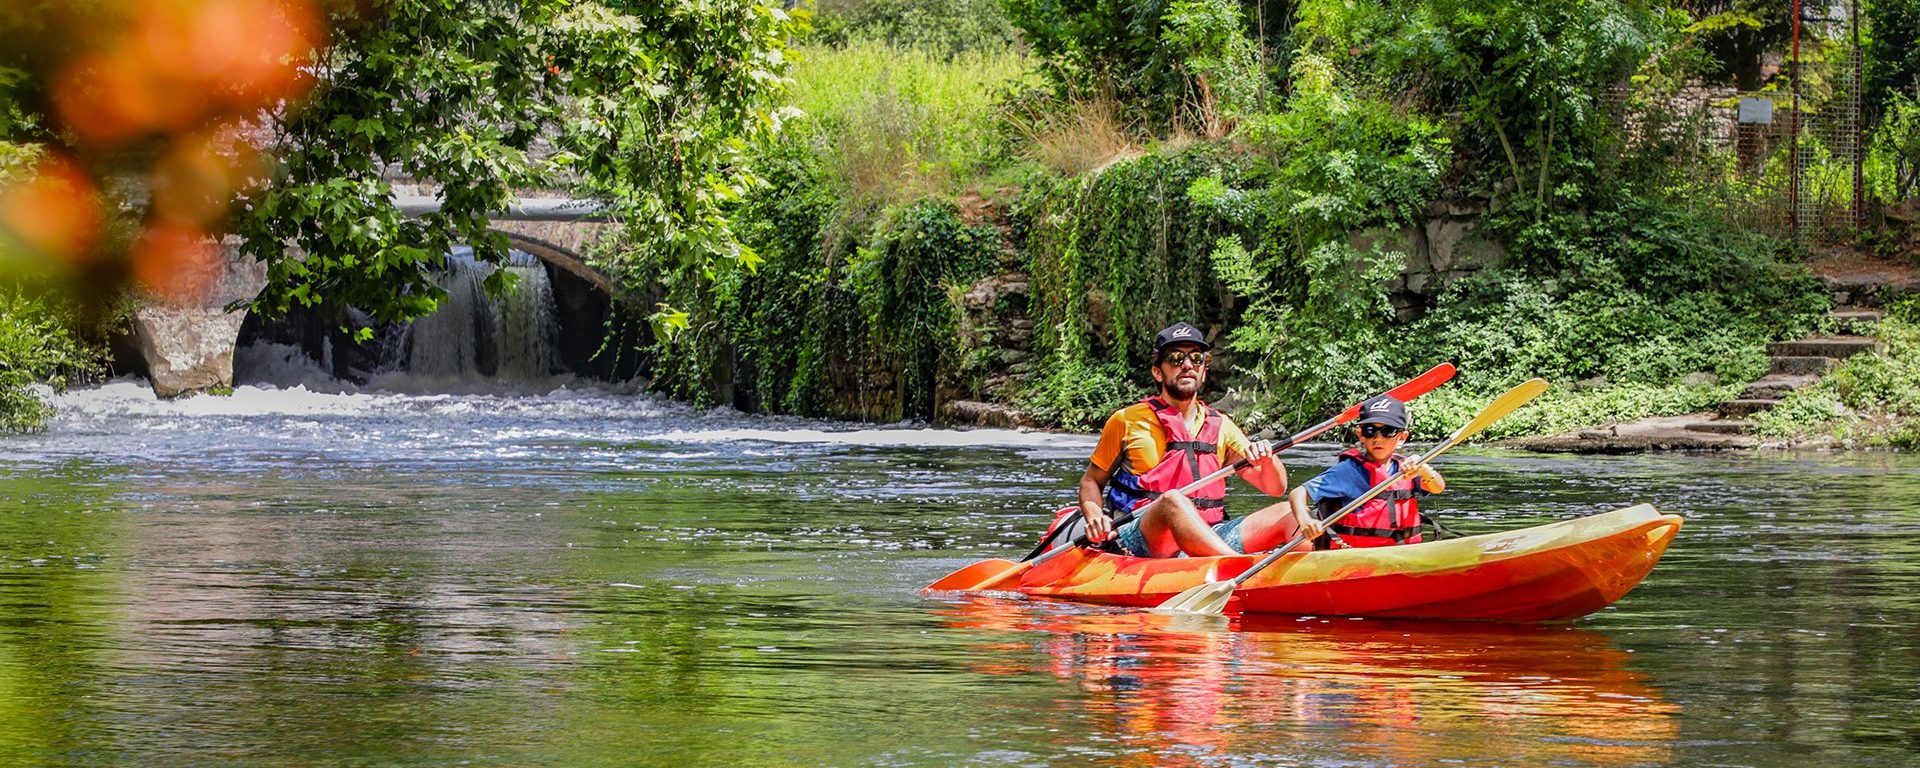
{"x": 1392, "y": 517}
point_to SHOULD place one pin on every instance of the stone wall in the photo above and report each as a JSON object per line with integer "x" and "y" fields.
{"x": 1446, "y": 247}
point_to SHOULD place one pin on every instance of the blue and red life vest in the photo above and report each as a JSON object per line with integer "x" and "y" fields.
{"x": 1188, "y": 458}
{"x": 1393, "y": 517}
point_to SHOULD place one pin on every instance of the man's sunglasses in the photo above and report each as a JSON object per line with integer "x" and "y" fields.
{"x": 1199, "y": 359}
{"x": 1376, "y": 430}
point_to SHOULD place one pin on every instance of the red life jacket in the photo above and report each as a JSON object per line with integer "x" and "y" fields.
{"x": 1393, "y": 517}
{"x": 1187, "y": 458}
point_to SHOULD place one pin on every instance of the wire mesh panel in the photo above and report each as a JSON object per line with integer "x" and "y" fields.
{"x": 1784, "y": 160}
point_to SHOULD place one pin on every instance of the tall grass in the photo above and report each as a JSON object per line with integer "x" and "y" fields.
{"x": 895, "y": 124}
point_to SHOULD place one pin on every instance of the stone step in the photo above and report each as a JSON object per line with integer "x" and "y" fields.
{"x": 1742, "y": 408}
{"x": 1837, "y": 347}
{"x": 1801, "y": 366}
{"x": 1856, "y": 315}
{"x": 1869, "y": 290}
{"x": 1721, "y": 427}
{"x": 1776, "y": 386}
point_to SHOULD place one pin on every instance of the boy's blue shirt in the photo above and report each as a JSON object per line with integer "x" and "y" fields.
{"x": 1346, "y": 480}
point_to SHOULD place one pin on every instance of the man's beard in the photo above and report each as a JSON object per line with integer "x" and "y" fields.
{"x": 1181, "y": 390}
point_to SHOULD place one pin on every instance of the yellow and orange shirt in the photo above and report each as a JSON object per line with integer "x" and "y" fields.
{"x": 1135, "y": 432}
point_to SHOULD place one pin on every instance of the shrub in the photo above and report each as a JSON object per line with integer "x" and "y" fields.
{"x": 941, "y": 27}
{"x": 38, "y": 345}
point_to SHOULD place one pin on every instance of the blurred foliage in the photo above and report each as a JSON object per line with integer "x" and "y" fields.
{"x": 42, "y": 343}
{"x": 939, "y": 27}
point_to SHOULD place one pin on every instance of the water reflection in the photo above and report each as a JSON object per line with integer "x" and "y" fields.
{"x": 604, "y": 580}
{"x": 1184, "y": 691}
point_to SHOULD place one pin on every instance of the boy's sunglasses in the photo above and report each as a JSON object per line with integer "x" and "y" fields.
{"x": 1199, "y": 359}
{"x": 1376, "y": 430}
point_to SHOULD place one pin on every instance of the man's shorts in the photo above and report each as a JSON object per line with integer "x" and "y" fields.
{"x": 1133, "y": 542}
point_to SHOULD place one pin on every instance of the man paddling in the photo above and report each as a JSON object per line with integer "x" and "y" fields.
{"x": 1150, "y": 449}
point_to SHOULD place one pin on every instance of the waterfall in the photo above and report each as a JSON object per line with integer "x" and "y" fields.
{"x": 525, "y": 324}
{"x": 472, "y": 335}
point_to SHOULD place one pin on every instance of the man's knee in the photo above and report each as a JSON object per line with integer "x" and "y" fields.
{"x": 1175, "y": 500}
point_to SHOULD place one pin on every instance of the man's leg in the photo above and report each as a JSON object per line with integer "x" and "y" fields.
{"x": 1172, "y": 525}
{"x": 1271, "y": 527}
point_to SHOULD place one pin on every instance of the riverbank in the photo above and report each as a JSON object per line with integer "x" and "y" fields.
{"x": 1854, "y": 384}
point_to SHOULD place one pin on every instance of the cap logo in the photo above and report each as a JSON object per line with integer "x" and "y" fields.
{"x": 1379, "y": 405}
{"x": 1182, "y": 332}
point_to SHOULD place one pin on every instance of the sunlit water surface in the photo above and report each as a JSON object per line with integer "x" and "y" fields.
{"x": 285, "y": 578}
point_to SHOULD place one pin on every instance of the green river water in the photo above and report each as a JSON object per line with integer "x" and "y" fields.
{"x": 295, "y": 579}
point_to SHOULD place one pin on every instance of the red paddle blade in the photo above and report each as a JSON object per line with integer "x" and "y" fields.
{"x": 980, "y": 575}
{"x": 1419, "y": 385}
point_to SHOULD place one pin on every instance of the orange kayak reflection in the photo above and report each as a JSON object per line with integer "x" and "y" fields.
{"x": 1160, "y": 690}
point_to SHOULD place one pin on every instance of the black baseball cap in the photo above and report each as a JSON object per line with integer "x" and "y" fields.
{"x": 1385, "y": 411}
{"x": 1179, "y": 333}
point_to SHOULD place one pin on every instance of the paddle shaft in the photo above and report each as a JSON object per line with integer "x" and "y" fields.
{"x": 1415, "y": 387}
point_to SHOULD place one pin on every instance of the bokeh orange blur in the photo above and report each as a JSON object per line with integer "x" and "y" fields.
{"x": 55, "y": 212}
{"x": 171, "y": 84}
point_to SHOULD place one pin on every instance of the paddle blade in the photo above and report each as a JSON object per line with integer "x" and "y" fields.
{"x": 1208, "y": 599}
{"x": 974, "y": 576}
{"x": 1506, "y": 403}
{"x": 1422, "y": 384}
{"x": 1415, "y": 387}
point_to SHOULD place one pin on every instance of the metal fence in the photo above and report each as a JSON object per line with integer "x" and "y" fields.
{"x": 1787, "y": 161}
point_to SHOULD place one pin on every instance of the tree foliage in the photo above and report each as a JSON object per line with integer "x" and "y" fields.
{"x": 1891, "y": 52}
{"x": 644, "y": 105}
{"x": 1144, "y": 52}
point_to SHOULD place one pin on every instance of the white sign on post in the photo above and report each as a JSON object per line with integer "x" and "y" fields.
{"x": 1756, "y": 111}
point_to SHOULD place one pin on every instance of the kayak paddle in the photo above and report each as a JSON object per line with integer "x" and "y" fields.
{"x": 1211, "y": 597}
{"x": 989, "y": 574}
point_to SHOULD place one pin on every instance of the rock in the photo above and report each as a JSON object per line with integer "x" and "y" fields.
{"x": 186, "y": 349}
{"x": 1700, "y": 379}
{"x": 1591, "y": 382}
{"x": 1443, "y": 238}
{"x": 985, "y": 414}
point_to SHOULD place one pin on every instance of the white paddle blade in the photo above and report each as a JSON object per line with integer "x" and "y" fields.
{"x": 1209, "y": 599}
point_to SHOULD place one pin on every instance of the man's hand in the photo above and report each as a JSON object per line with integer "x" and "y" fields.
{"x": 1258, "y": 449}
{"x": 1099, "y": 526}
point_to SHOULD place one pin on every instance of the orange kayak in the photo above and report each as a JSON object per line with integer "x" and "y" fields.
{"x": 1555, "y": 572}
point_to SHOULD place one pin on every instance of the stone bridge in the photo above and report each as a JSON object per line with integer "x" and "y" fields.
{"x": 188, "y": 347}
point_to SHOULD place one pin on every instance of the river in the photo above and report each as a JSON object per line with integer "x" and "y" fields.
{"x": 590, "y": 577}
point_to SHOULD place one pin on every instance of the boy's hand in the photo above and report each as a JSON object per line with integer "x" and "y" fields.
{"x": 1430, "y": 479}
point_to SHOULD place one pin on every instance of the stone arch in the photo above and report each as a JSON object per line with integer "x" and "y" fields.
{"x": 561, "y": 258}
